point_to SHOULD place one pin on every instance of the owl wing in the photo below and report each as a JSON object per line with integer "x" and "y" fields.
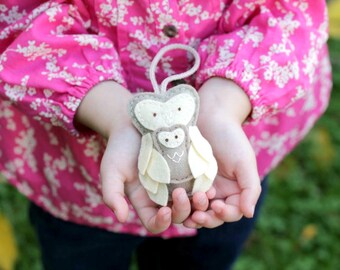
{"x": 154, "y": 172}
{"x": 201, "y": 160}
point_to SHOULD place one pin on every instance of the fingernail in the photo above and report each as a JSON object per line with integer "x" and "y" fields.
{"x": 182, "y": 197}
{"x": 167, "y": 216}
{"x": 200, "y": 220}
{"x": 202, "y": 201}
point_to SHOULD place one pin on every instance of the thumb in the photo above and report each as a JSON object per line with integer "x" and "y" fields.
{"x": 250, "y": 184}
{"x": 113, "y": 195}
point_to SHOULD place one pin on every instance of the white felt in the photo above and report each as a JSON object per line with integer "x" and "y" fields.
{"x": 202, "y": 183}
{"x": 148, "y": 183}
{"x": 158, "y": 168}
{"x": 171, "y": 139}
{"x": 145, "y": 153}
{"x": 202, "y": 162}
{"x": 197, "y": 164}
{"x": 212, "y": 169}
{"x": 201, "y": 145}
{"x": 154, "y": 114}
{"x": 161, "y": 197}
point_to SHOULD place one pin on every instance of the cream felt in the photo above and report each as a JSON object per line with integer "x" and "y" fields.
{"x": 212, "y": 169}
{"x": 148, "y": 183}
{"x": 201, "y": 145}
{"x": 158, "y": 168}
{"x": 198, "y": 165}
{"x": 161, "y": 197}
{"x": 171, "y": 115}
{"x": 202, "y": 183}
{"x": 145, "y": 153}
{"x": 153, "y": 114}
{"x": 173, "y": 152}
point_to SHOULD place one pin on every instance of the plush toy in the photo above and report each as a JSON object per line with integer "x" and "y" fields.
{"x": 173, "y": 152}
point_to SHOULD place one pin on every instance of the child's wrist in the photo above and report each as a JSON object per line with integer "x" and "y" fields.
{"x": 104, "y": 108}
{"x": 223, "y": 98}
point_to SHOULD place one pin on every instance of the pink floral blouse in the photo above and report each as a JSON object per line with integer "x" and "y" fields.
{"x": 53, "y": 52}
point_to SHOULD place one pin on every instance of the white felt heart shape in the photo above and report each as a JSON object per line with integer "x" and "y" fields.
{"x": 153, "y": 114}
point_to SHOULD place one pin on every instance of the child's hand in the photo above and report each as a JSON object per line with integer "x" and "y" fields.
{"x": 224, "y": 107}
{"x": 119, "y": 176}
{"x": 104, "y": 109}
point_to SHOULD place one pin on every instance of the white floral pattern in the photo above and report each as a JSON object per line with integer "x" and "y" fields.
{"x": 53, "y": 53}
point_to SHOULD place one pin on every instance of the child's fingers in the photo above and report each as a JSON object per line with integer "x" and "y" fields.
{"x": 249, "y": 198}
{"x": 220, "y": 212}
{"x": 211, "y": 193}
{"x": 228, "y": 210}
{"x": 250, "y": 184}
{"x": 210, "y": 219}
{"x": 160, "y": 222}
{"x": 114, "y": 197}
{"x": 181, "y": 207}
{"x": 154, "y": 220}
{"x": 200, "y": 201}
{"x": 225, "y": 187}
{"x": 206, "y": 219}
{"x": 189, "y": 223}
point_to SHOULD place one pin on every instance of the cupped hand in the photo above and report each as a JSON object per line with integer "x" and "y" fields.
{"x": 104, "y": 109}
{"x": 237, "y": 183}
{"x": 120, "y": 181}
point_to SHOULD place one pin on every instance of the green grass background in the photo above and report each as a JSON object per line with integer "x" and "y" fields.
{"x": 299, "y": 227}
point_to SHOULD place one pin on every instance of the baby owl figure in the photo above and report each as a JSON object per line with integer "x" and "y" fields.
{"x": 173, "y": 152}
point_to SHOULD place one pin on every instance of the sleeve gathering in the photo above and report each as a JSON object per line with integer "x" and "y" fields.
{"x": 269, "y": 48}
{"x": 49, "y": 60}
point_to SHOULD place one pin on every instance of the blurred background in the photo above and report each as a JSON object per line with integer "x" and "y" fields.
{"x": 299, "y": 228}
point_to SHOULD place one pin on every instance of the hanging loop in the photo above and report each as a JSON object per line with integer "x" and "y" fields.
{"x": 162, "y": 89}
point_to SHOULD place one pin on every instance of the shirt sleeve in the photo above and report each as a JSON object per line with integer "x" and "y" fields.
{"x": 50, "y": 58}
{"x": 269, "y": 48}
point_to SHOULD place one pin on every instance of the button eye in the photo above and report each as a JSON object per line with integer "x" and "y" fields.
{"x": 166, "y": 140}
{"x": 179, "y": 109}
{"x": 154, "y": 114}
{"x": 176, "y": 137}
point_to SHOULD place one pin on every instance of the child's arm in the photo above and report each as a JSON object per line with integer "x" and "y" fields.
{"x": 104, "y": 109}
{"x": 271, "y": 51}
{"x": 224, "y": 107}
{"x": 50, "y": 57}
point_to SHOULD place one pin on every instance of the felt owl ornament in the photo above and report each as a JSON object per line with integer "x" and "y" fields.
{"x": 173, "y": 152}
